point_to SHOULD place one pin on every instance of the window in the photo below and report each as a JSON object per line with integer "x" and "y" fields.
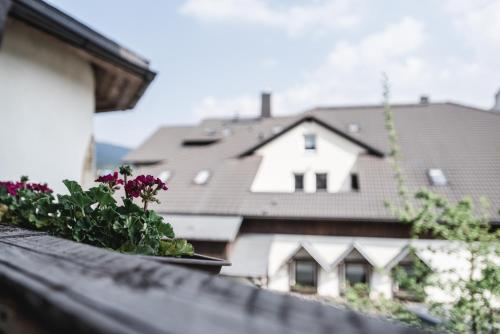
{"x": 356, "y": 272}
{"x": 353, "y": 128}
{"x": 305, "y": 274}
{"x": 299, "y": 182}
{"x": 321, "y": 182}
{"x": 437, "y": 177}
{"x": 202, "y": 177}
{"x": 408, "y": 278}
{"x": 310, "y": 142}
{"x": 165, "y": 175}
{"x": 354, "y": 182}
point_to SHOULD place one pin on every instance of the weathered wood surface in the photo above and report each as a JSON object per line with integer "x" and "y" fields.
{"x": 80, "y": 288}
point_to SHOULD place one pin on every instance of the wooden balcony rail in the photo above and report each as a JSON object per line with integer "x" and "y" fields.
{"x": 49, "y": 285}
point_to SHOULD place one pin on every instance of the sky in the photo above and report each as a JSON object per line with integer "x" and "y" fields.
{"x": 215, "y": 57}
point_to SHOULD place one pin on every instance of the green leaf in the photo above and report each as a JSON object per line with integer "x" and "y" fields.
{"x": 73, "y": 187}
{"x": 166, "y": 230}
{"x": 177, "y": 247}
{"x": 101, "y": 196}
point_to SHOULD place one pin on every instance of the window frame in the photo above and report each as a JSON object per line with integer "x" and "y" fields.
{"x": 326, "y": 181}
{"x": 295, "y": 175}
{"x": 293, "y": 276}
{"x": 354, "y": 181}
{"x": 314, "y": 147}
{"x": 343, "y": 273}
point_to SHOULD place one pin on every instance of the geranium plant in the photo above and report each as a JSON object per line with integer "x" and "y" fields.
{"x": 94, "y": 216}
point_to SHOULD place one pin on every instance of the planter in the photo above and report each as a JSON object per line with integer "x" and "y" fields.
{"x": 211, "y": 265}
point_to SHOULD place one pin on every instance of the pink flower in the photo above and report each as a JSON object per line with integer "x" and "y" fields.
{"x": 13, "y": 188}
{"x": 39, "y": 187}
{"x": 144, "y": 186}
{"x": 111, "y": 179}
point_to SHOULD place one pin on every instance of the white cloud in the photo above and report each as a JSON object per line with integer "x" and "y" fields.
{"x": 478, "y": 22}
{"x": 316, "y": 16}
{"x": 350, "y": 73}
{"x": 416, "y": 60}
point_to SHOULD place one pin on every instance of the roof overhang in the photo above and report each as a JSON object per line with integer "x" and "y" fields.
{"x": 121, "y": 76}
{"x": 205, "y": 227}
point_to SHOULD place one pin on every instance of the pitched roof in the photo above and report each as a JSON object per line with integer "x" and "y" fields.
{"x": 213, "y": 228}
{"x": 464, "y": 142}
{"x": 122, "y": 76}
{"x": 311, "y": 118}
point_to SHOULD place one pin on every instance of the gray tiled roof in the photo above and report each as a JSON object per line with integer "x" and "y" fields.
{"x": 464, "y": 142}
{"x": 213, "y": 228}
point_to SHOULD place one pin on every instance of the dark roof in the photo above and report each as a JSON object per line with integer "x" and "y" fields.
{"x": 122, "y": 76}
{"x": 464, "y": 142}
{"x": 71, "y": 287}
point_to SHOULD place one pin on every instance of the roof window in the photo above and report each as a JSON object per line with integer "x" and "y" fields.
{"x": 202, "y": 177}
{"x": 209, "y": 131}
{"x": 353, "y": 128}
{"x": 165, "y": 175}
{"x": 437, "y": 177}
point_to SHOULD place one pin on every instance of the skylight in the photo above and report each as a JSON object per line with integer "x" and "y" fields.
{"x": 202, "y": 177}
{"x": 165, "y": 175}
{"x": 276, "y": 129}
{"x": 437, "y": 177}
{"x": 226, "y": 132}
{"x": 353, "y": 127}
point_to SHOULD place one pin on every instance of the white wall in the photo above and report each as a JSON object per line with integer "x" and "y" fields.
{"x": 46, "y": 108}
{"x": 436, "y": 253}
{"x": 285, "y": 155}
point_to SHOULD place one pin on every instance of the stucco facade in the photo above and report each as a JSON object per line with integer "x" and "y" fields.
{"x": 47, "y": 105}
{"x": 286, "y": 156}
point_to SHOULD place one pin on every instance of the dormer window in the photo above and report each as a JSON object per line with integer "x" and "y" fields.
{"x": 306, "y": 272}
{"x": 202, "y": 177}
{"x": 310, "y": 142}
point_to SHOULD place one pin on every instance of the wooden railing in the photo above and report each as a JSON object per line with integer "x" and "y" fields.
{"x": 52, "y": 285}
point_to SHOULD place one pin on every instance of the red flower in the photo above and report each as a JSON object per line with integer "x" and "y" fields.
{"x": 39, "y": 187}
{"x": 12, "y": 188}
{"x": 144, "y": 186}
{"x": 111, "y": 179}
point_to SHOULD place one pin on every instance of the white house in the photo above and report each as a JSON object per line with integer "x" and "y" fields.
{"x": 296, "y": 203}
{"x": 55, "y": 74}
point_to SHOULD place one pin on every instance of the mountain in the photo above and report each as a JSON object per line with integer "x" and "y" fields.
{"x": 108, "y": 156}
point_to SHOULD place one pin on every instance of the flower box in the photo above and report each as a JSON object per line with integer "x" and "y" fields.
{"x": 208, "y": 264}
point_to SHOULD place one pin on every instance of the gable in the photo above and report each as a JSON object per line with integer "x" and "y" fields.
{"x": 310, "y": 119}
{"x": 286, "y": 156}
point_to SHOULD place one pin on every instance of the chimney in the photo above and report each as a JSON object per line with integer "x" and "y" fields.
{"x": 496, "y": 107}
{"x": 424, "y": 99}
{"x": 265, "y": 110}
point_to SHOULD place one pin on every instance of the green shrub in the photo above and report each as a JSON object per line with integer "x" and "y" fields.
{"x": 93, "y": 216}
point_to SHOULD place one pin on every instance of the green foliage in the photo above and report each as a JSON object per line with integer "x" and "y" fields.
{"x": 28, "y": 208}
{"x": 93, "y": 217}
{"x": 358, "y": 298}
{"x": 411, "y": 283}
{"x": 469, "y": 230}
